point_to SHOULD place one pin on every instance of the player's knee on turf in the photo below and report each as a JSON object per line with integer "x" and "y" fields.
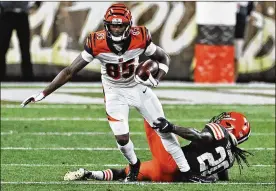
{"x": 122, "y": 139}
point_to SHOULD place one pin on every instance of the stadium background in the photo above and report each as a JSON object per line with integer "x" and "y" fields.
{"x": 68, "y": 129}
{"x": 59, "y": 30}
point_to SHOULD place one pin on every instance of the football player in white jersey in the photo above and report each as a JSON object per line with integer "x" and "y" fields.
{"x": 118, "y": 47}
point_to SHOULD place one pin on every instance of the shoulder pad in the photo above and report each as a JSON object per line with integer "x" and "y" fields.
{"x": 98, "y": 42}
{"x": 215, "y": 130}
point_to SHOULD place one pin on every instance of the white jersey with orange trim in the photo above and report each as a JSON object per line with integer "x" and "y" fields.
{"x": 118, "y": 67}
{"x": 210, "y": 158}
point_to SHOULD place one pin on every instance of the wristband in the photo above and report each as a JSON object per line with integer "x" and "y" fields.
{"x": 164, "y": 67}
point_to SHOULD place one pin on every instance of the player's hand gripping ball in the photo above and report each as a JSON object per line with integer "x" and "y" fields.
{"x": 146, "y": 72}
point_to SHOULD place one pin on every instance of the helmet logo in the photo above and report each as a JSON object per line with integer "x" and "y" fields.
{"x": 117, "y": 21}
{"x": 241, "y": 134}
{"x": 244, "y": 127}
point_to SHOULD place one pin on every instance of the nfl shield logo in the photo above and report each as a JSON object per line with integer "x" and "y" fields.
{"x": 121, "y": 59}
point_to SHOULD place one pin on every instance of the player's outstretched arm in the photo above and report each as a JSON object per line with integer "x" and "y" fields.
{"x": 64, "y": 76}
{"x": 191, "y": 134}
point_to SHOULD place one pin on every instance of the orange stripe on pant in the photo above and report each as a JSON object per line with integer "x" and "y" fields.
{"x": 162, "y": 168}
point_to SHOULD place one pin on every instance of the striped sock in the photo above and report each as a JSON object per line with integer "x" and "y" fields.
{"x": 108, "y": 175}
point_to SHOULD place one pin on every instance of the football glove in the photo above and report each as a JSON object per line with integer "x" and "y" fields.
{"x": 163, "y": 125}
{"x": 33, "y": 98}
{"x": 150, "y": 82}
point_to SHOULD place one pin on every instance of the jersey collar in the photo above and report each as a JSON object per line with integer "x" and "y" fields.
{"x": 114, "y": 50}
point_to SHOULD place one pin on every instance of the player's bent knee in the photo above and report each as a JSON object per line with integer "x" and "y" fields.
{"x": 122, "y": 139}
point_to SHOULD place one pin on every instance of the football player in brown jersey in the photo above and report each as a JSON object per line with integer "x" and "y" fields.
{"x": 210, "y": 154}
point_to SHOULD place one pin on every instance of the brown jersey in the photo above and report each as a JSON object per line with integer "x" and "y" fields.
{"x": 208, "y": 159}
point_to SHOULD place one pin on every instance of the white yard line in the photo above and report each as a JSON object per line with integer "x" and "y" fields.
{"x": 91, "y": 133}
{"x": 104, "y": 119}
{"x": 134, "y": 183}
{"x": 57, "y": 165}
{"x": 163, "y": 84}
{"x": 97, "y": 106}
{"x": 66, "y": 133}
{"x": 107, "y": 165}
{"x": 177, "y": 97}
{"x": 101, "y": 149}
{"x": 64, "y": 106}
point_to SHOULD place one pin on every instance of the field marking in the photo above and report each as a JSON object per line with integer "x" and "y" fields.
{"x": 66, "y": 133}
{"x": 104, "y": 119}
{"x": 64, "y": 106}
{"x": 101, "y": 106}
{"x": 101, "y": 149}
{"x": 177, "y": 97}
{"x": 97, "y": 106}
{"x": 3, "y": 133}
{"x": 134, "y": 183}
{"x": 106, "y": 165}
{"x": 164, "y": 83}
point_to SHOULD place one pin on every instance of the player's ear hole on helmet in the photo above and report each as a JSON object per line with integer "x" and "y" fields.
{"x": 228, "y": 124}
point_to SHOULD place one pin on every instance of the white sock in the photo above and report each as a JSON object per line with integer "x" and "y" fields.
{"x": 128, "y": 152}
{"x": 172, "y": 146}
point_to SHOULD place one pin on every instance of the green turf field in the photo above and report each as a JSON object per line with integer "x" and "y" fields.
{"x": 40, "y": 143}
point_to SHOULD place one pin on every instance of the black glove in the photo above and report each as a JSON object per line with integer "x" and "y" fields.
{"x": 163, "y": 125}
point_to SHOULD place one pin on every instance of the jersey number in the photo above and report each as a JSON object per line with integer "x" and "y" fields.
{"x": 207, "y": 160}
{"x": 116, "y": 71}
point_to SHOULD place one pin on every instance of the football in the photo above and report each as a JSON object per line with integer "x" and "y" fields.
{"x": 148, "y": 65}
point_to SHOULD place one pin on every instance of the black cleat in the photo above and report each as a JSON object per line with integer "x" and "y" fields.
{"x": 196, "y": 178}
{"x": 133, "y": 172}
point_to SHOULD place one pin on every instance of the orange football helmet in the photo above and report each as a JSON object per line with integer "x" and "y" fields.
{"x": 236, "y": 123}
{"x": 118, "y": 14}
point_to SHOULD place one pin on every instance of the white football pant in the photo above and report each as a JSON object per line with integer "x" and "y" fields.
{"x": 118, "y": 100}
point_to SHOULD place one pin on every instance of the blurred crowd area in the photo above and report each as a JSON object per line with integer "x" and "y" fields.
{"x": 38, "y": 39}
